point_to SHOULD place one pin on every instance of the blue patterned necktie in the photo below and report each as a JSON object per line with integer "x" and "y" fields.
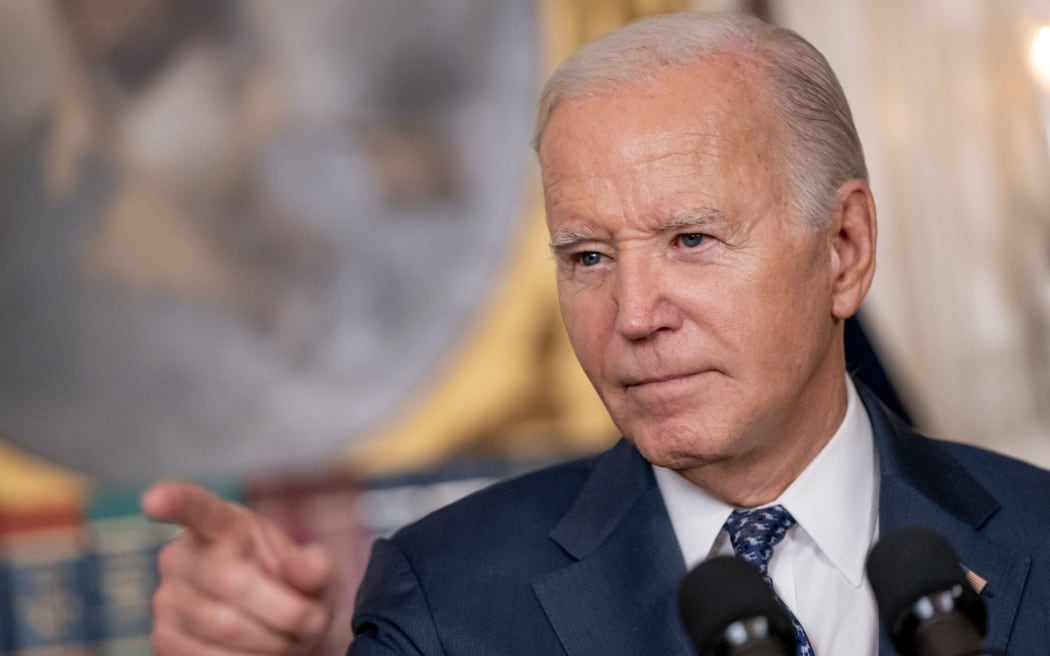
{"x": 754, "y": 533}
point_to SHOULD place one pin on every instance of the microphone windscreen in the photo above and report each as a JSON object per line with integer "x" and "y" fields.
{"x": 909, "y": 564}
{"x": 723, "y": 590}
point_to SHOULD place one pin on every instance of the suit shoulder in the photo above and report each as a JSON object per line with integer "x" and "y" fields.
{"x": 988, "y": 465}
{"x": 1019, "y": 487}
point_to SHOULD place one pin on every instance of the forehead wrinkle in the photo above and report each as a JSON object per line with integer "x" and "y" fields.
{"x": 654, "y": 146}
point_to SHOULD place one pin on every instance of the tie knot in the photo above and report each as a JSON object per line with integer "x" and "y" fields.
{"x": 754, "y": 533}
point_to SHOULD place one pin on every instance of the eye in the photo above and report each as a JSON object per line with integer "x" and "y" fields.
{"x": 691, "y": 239}
{"x": 588, "y": 258}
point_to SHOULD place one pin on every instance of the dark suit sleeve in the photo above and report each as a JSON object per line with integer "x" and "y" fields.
{"x": 391, "y": 613}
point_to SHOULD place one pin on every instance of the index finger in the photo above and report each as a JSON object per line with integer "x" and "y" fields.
{"x": 193, "y": 507}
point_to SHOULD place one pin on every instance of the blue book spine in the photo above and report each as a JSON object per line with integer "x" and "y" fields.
{"x": 45, "y": 575}
{"x": 121, "y": 578}
{"x": 7, "y": 636}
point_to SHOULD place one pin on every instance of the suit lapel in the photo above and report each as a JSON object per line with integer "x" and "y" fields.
{"x": 618, "y": 596}
{"x": 921, "y": 484}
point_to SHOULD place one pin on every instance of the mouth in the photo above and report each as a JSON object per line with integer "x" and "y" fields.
{"x": 651, "y": 381}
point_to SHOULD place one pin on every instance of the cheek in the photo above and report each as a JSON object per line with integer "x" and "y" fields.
{"x": 748, "y": 317}
{"x": 789, "y": 320}
{"x": 589, "y": 328}
{"x": 721, "y": 303}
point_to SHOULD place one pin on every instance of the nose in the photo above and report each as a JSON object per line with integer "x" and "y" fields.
{"x": 644, "y": 304}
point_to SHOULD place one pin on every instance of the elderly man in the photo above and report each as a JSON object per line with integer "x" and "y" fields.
{"x": 713, "y": 228}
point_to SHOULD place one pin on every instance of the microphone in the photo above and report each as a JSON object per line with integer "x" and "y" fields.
{"x": 926, "y": 605}
{"x": 728, "y": 609}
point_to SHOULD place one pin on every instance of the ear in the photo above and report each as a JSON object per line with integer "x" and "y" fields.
{"x": 854, "y": 230}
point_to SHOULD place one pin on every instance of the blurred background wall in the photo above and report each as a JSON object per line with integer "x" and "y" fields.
{"x": 297, "y": 250}
{"x": 243, "y": 237}
{"x": 247, "y": 236}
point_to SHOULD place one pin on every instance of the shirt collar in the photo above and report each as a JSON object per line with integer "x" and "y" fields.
{"x": 839, "y": 483}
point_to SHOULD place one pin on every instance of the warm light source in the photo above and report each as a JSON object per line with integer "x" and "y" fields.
{"x": 1039, "y": 58}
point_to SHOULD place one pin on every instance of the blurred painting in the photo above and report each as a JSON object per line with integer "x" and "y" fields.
{"x": 238, "y": 235}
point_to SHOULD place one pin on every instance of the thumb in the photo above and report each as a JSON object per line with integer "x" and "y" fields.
{"x": 311, "y": 570}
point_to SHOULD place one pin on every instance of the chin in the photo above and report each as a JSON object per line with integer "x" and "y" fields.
{"x": 676, "y": 445}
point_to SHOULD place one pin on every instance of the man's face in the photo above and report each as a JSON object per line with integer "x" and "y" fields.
{"x": 698, "y": 305}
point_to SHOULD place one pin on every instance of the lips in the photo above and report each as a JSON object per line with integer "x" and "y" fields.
{"x": 661, "y": 378}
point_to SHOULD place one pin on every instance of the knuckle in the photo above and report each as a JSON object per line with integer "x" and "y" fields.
{"x": 232, "y": 583}
{"x": 170, "y": 558}
{"x": 299, "y": 617}
{"x": 307, "y": 620}
{"x": 162, "y": 603}
{"x": 163, "y": 642}
{"x": 221, "y": 624}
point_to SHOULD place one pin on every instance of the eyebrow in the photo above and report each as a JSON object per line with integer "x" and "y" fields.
{"x": 694, "y": 220}
{"x": 566, "y": 238}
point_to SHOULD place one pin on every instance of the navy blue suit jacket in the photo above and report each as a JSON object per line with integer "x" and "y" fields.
{"x": 580, "y": 559}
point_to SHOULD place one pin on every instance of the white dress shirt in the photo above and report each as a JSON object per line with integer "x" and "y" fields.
{"x": 818, "y": 568}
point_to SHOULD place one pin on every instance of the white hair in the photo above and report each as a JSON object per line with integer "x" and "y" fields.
{"x": 821, "y": 146}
